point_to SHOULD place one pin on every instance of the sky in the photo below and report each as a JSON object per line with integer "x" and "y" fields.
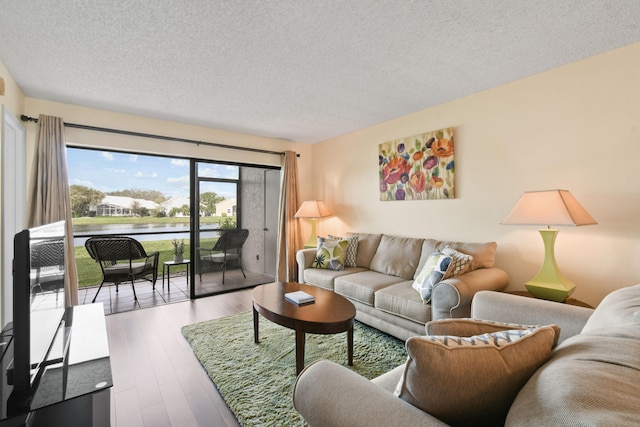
{"x": 108, "y": 171}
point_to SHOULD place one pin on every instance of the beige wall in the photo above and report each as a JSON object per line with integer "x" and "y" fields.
{"x": 102, "y": 118}
{"x": 575, "y": 127}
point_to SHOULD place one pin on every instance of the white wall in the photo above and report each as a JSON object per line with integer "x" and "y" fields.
{"x": 575, "y": 128}
{"x": 12, "y": 100}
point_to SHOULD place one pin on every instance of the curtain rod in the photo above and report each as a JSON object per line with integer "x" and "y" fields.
{"x": 25, "y": 118}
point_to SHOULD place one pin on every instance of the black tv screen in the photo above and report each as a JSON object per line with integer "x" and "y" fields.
{"x": 38, "y": 298}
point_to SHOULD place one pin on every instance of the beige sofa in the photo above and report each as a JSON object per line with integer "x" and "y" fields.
{"x": 591, "y": 378}
{"x": 379, "y": 285}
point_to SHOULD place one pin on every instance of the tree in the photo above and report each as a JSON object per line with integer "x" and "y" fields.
{"x": 82, "y": 198}
{"x": 136, "y": 208}
{"x": 208, "y": 202}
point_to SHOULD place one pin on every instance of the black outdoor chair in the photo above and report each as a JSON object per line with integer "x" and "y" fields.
{"x": 47, "y": 264}
{"x": 122, "y": 259}
{"x": 227, "y": 249}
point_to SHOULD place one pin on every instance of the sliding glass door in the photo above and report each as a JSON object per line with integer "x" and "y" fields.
{"x": 235, "y": 226}
{"x": 215, "y": 211}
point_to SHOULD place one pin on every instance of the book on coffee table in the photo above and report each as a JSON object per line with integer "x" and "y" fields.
{"x": 300, "y": 297}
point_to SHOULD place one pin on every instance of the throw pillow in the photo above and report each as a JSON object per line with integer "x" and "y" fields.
{"x": 433, "y": 271}
{"x": 330, "y": 254}
{"x": 472, "y": 380}
{"x": 460, "y": 262}
{"x": 352, "y": 249}
{"x": 466, "y": 327}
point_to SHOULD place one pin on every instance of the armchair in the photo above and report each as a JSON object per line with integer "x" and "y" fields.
{"x": 228, "y": 248}
{"x": 122, "y": 259}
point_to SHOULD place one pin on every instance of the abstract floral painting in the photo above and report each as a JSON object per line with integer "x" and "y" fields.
{"x": 418, "y": 167}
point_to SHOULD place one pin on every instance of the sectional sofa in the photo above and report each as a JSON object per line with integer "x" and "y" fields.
{"x": 379, "y": 280}
{"x": 592, "y": 377}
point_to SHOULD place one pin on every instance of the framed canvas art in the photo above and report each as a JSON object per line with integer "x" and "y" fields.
{"x": 419, "y": 167}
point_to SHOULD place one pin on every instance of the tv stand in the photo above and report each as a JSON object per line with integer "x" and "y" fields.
{"x": 74, "y": 387}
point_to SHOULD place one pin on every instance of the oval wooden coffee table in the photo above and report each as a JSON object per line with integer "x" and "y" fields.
{"x": 329, "y": 314}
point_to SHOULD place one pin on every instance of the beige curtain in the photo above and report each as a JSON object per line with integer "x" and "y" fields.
{"x": 289, "y": 235}
{"x": 49, "y": 196}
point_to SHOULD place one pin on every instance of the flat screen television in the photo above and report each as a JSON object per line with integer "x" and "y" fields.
{"x": 38, "y": 299}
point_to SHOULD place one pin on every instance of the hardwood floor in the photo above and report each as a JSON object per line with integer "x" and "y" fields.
{"x": 157, "y": 379}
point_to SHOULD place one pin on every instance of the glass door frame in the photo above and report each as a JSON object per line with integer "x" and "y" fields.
{"x": 194, "y": 190}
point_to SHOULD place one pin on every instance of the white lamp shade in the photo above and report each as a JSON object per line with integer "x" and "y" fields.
{"x": 312, "y": 209}
{"x": 550, "y": 207}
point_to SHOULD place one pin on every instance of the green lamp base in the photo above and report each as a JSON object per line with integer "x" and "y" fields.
{"x": 550, "y": 283}
{"x": 313, "y": 238}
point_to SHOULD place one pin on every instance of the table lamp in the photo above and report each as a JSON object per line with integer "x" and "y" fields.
{"x": 312, "y": 210}
{"x": 551, "y": 207}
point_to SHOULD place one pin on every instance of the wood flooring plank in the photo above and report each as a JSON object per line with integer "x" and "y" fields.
{"x": 158, "y": 381}
{"x": 156, "y": 416}
{"x": 177, "y": 405}
{"x": 127, "y": 410}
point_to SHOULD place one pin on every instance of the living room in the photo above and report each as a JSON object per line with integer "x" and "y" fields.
{"x": 573, "y": 127}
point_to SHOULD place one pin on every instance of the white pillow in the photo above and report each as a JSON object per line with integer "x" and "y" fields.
{"x": 460, "y": 263}
{"x": 434, "y": 271}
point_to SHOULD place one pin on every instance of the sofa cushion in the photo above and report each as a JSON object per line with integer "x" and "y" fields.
{"x": 367, "y": 246}
{"x": 434, "y": 270}
{"x": 460, "y": 264}
{"x": 619, "y": 307}
{"x": 402, "y": 300}
{"x": 397, "y": 256}
{"x": 325, "y": 278}
{"x": 331, "y": 254}
{"x": 428, "y": 247}
{"x": 484, "y": 254}
{"x": 591, "y": 379}
{"x": 472, "y": 380}
{"x": 362, "y": 286}
{"x": 352, "y": 249}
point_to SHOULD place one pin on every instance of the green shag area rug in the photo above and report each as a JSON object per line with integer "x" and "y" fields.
{"x": 256, "y": 380}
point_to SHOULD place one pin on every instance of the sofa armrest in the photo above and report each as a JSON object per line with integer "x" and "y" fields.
{"x": 509, "y": 308}
{"x": 304, "y": 258}
{"x": 328, "y": 394}
{"x": 452, "y": 297}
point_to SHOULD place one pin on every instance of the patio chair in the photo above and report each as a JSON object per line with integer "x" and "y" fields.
{"x": 47, "y": 263}
{"x": 227, "y": 249}
{"x": 122, "y": 259}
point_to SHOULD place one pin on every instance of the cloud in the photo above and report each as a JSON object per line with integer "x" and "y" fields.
{"x": 107, "y": 156}
{"x": 114, "y": 170}
{"x": 133, "y": 158}
{"x": 76, "y": 181}
{"x": 179, "y": 181}
{"x": 141, "y": 174}
{"x": 179, "y": 162}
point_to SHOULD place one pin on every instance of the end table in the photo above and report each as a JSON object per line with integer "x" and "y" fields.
{"x": 570, "y": 301}
{"x": 168, "y": 265}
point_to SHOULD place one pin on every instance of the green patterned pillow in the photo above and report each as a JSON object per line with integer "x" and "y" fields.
{"x": 434, "y": 271}
{"x": 460, "y": 263}
{"x": 352, "y": 249}
{"x": 330, "y": 254}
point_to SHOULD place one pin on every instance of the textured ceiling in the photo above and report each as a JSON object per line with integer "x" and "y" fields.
{"x": 304, "y": 70}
